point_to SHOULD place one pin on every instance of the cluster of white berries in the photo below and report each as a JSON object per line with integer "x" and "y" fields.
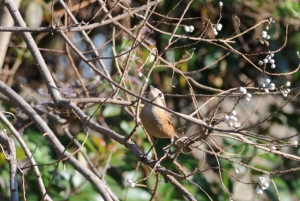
{"x": 232, "y": 120}
{"x": 262, "y": 185}
{"x": 141, "y": 75}
{"x": 264, "y": 34}
{"x": 286, "y": 91}
{"x": 267, "y": 85}
{"x": 245, "y": 93}
{"x": 189, "y": 29}
{"x": 132, "y": 183}
{"x": 295, "y": 143}
{"x": 268, "y": 59}
{"x": 215, "y": 31}
{"x": 271, "y": 20}
{"x": 217, "y": 28}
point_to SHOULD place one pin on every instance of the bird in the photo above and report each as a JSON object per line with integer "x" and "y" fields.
{"x": 156, "y": 121}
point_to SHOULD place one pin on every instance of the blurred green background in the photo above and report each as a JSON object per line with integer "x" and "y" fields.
{"x": 115, "y": 160}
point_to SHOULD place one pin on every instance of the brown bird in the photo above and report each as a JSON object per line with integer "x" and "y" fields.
{"x": 156, "y": 121}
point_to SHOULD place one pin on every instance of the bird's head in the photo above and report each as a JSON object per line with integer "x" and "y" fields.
{"x": 156, "y": 96}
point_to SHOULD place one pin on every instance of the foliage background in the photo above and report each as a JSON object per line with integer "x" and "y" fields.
{"x": 113, "y": 159}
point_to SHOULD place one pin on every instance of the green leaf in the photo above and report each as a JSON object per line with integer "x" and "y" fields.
{"x": 138, "y": 194}
{"x": 85, "y": 193}
{"x": 283, "y": 190}
{"x": 111, "y": 111}
{"x": 127, "y": 126}
{"x": 115, "y": 186}
{"x": 81, "y": 137}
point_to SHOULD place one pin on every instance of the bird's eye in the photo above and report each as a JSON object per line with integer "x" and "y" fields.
{"x": 160, "y": 95}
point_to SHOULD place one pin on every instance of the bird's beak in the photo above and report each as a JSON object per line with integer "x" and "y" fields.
{"x": 152, "y": 91}
{"x": 147, "y": 92}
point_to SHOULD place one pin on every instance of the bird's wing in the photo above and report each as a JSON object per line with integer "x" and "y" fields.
{"x": 169, "y": 118}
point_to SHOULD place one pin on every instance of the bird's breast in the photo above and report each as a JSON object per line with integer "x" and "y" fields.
{"x": 156, "y": 122}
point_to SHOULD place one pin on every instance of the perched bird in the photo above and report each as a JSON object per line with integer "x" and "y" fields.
{"x": 157, "y": 121}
